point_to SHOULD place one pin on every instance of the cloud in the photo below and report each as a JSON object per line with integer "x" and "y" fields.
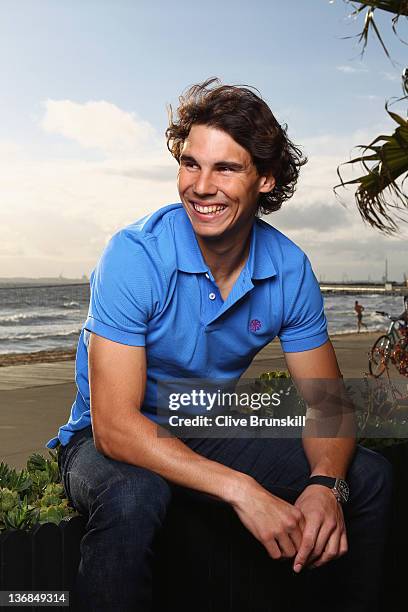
{"x": 391, "y": 76}
{"x": 58, "y": 213}
{"x": 317, "y": 216}
{"x": 334, "y": 237}
{"x": 99, "y": 125}
{"x": 351, "y": 69}
{"x": 369, "y": 97}
{"x": 156, "y": 172}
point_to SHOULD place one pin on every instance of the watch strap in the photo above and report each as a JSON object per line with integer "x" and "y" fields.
{"x": 326, "y": 481}
{"x": 338, "y": 486}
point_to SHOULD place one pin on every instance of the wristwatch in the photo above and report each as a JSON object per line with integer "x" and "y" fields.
{"x": 339, "y": 486}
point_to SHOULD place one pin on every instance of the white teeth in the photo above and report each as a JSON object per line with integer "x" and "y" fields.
{"x": 208, "y": 209}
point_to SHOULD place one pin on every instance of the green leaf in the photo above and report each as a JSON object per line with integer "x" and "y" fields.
{"x": 8, "y": 499}
{"x": 378, "y": 193}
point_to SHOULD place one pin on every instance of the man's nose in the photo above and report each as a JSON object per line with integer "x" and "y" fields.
{"x": 204, "y": 184}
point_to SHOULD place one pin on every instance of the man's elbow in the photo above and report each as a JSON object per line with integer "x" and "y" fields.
{"x": 101, "y": 436}
{"x": 100, "y": 443}
{"x": 110, "y": 434}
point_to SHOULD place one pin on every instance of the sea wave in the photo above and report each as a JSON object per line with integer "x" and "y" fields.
{"x": 31, "y": 318}
{"x": 353, "y": 330}
{"x": 74, "y": 333}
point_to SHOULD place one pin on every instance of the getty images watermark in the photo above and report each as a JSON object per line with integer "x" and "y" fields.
{"x": 229, "y": 408}
{"x": 221, "y": 400}
{"x": 277, "y": 407}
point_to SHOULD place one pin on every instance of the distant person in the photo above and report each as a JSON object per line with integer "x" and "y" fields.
{"x": 404, "y": 315}
{"x": 359, "y": 310}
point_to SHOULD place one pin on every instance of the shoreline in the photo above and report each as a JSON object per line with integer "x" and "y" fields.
{"x": 44, "y": 356}
{"x": 69, "y": 354}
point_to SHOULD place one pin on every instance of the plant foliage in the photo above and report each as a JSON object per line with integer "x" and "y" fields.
{"x": 379, "y": 195}
{"x": 32, "y": 495}
{"x": 379, "y": 407}
{"x": 399, "y": 8}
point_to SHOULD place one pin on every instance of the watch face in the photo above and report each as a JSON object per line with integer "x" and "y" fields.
{"x": 342, "y": 488}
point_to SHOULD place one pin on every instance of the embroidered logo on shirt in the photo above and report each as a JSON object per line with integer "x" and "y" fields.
{"x": 255, "y": 325}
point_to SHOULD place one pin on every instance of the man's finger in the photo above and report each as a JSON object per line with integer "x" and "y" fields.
{"x": 308, "y": 541}
{"x": 321, "y": 542}
{"x": 343, "y": 543}
{"x": 273, "y": 549}
{"x": 331, "y": 550}
{"x": 296, "y": 537}
{"x": 286, "y": 545}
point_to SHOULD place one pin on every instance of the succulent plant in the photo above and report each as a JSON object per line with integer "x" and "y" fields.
{"x": 32, "y": 495}
{"x": 54, "y": 488}
{"x": 53, "y": 514}
{"x": 8, "y": 499}
{"x": 274, "y": 374}
{"x": 40, "y": 481}
{"x": 50, "y": 500}
{"x": 11, "y": 479}
{"x": 36, "y": 462}
{"x": 21, "y": 517}
{"x": 4, "y": 471}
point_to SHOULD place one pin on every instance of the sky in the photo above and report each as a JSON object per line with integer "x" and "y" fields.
{"x": 83, "y": 104}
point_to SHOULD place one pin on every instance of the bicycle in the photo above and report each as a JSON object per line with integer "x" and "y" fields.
{"x": 392, "y": 346}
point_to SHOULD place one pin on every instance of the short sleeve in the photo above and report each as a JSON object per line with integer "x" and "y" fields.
{"x": 122, "y": 296}
{"x": 305, "y": 324}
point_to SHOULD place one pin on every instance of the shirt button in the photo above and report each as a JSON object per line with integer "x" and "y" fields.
{"x": 212, "y": 296}
{"x": 207, "y": 275}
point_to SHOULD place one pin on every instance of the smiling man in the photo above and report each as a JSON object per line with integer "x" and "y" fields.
{"x": 195, "y": 290}
{"x": 219, "y": 186}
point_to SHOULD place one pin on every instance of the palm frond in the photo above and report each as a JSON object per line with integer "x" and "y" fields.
{"x": 379, "y": 197}
{"x": 399, "y": 8}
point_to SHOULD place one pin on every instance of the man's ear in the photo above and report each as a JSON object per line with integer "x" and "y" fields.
{"x": 267, "y": 184}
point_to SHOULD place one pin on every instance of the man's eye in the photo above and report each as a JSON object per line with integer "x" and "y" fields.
{"x": 225, "y": 169}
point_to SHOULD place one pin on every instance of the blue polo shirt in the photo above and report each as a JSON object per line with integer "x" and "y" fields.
{"x": 152, "y": 288}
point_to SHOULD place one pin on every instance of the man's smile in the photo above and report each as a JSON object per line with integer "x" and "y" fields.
{"x": 207, "y": 211}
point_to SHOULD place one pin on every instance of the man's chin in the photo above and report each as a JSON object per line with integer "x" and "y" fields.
{"x": 210, "y": 235}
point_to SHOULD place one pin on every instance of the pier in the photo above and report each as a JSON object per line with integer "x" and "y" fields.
{"x": 354, "y": 288}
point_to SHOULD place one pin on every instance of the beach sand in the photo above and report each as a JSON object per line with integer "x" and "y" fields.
{"x": 37, "y": 390}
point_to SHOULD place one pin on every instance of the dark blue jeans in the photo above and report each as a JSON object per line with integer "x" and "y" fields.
{"x": 126, "y": 506}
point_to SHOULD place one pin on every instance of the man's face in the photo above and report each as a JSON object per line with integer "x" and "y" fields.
{"x": 218, "y": 183}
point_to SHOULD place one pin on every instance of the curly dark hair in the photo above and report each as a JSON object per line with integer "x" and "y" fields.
{"x": 247, "y": 118}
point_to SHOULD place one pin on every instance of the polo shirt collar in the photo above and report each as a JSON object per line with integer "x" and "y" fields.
{"x": 190, "y": 259}
{"x": 189, "y": 256}
{"x": 260, "y": 263}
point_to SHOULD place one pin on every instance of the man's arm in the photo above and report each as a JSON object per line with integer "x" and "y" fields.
{"x": 324, "y": 536}
{"x": 117, "y": 377}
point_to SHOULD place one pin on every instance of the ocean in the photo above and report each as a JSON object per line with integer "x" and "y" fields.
{"x": 34, "y": 318}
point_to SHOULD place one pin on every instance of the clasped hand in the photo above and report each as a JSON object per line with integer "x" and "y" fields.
{"x": 312, "y": 530}
{"x": 324, "y": 534}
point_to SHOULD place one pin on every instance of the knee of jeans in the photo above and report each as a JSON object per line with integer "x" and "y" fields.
{"x": 144, "y": 495}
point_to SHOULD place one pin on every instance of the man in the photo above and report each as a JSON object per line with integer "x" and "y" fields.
{"x": 176, "y": 294}
{"x": 404, "y": 315}
{"x": 359, "y": 311}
